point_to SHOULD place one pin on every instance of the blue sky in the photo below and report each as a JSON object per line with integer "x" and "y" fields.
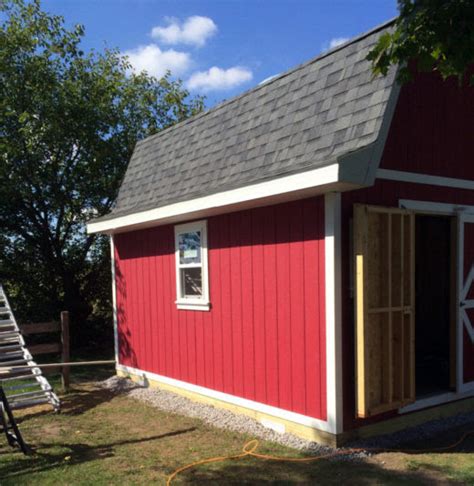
{"x": 221, "y": 48}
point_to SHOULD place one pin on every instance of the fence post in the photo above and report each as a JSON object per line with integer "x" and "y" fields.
{"x": 65, "y": 356}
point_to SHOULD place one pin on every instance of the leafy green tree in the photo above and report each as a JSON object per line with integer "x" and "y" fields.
{"x": 438, "y": 34}
{"x": 69, "y": 121}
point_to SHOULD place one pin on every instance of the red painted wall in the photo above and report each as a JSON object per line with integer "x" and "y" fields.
{"x": 264, "y": 337}
{"x": 431, "y": 133}
{"x": 432, "y": 130}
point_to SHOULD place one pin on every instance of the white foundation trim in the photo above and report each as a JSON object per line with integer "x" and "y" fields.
{"x": 332, "y": 240}
{"x": 323, "y": 176}
{"x": 114, "y": 297}
{"x": 417, "y": 178}
{"x": 225, "y": 397}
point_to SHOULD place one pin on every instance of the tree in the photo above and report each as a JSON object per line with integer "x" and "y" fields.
{"x": 69, "y": 121}
{"x": 438, "y": 34}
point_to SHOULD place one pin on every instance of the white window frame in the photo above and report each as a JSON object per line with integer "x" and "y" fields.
{"x": 192, "y": 303}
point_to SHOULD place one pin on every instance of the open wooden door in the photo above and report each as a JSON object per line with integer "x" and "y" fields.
{"x": 384, "y": 248}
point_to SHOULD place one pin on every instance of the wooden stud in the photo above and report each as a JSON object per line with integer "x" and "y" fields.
{"x": 389, "y": 373}
{"x": 360, "y": 242}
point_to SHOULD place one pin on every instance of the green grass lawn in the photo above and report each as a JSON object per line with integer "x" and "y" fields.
{"x": 103, "y": 439}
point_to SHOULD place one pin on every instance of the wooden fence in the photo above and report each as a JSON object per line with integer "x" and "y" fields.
{"x": 61, "y": 346}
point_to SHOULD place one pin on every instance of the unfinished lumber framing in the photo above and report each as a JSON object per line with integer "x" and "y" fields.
{"x": 384, "y": 244}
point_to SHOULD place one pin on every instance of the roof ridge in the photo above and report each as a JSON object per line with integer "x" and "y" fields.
{"x": 276, "y": 78}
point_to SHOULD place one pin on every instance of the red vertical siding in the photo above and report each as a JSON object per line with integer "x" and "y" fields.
{"x": 432, "y": 129}
{"x": 264, "y": 337}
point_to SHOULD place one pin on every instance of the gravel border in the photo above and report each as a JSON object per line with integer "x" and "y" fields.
{"x": 225, "y": 419}
{"x": 216, "y": 417}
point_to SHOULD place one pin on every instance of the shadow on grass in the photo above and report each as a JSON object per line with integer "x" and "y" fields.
{"x": 72, "y": 454}
{"x": 77, "y": 400}
{"x": 332, "y": 472}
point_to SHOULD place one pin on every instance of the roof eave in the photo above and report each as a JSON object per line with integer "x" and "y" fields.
{"x": 309, "y": 183}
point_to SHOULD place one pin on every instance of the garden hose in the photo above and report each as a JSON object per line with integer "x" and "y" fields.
{"x": 249, "y": 450}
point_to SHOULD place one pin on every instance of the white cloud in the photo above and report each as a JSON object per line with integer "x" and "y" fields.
{"x": 334, "y": 42}
{"x": 194, "y": 30}
{"x": 155, "y": 61}
{"x": 216, "y": 78}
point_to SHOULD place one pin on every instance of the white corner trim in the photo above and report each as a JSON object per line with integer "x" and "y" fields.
{"x": 225, "y": 397}
{"x": 332, "y": 245}
{"x": 417, "y": 178}
{"x": 114, "y": 298}
{"x": 323, "y": 176}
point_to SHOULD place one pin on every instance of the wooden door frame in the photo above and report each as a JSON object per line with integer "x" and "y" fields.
{"x": 455, "y": 211}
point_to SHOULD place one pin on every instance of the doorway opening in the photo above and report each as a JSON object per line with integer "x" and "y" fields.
{"x": 433, "y": 305}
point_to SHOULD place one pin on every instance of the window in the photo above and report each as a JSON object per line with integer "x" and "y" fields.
{"x": 192, "y": 285}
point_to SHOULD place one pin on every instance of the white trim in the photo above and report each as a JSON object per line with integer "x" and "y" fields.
{"x": 189, "y": 303}
{"x": 225, "y": 397}
{"x": 332, "y": 245}
{"x": 435, "y": 207}
{"x": 417, "y": 178}
{"x": 305, "y": 183}
{"x": 114, "y": 298}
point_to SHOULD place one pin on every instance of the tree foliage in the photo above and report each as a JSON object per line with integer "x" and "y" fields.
{"x": 69, "y": 120}
{"x": 437, "y": 34}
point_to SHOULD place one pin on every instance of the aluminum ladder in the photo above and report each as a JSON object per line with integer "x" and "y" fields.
{"x": 25, "y": 387}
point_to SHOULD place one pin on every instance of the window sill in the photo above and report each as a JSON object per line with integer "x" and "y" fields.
{"x": 190, "y": 305}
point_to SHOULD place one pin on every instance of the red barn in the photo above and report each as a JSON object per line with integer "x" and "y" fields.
{"x": 304, "y": 253}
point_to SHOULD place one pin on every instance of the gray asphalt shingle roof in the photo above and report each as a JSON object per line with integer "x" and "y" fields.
{"x": 303, "y": 119}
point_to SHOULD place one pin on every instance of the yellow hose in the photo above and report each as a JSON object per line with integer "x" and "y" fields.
{"x": 250, "y": 447}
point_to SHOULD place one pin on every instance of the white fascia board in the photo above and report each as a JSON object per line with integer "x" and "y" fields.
{"x": 295, "y": 186}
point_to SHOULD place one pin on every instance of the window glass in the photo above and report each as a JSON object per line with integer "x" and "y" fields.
{"x": 191, "y": 281}
{"x": 189, "y": 247}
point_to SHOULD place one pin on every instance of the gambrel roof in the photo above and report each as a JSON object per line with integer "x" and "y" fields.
{"x": 309, "y": 117}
